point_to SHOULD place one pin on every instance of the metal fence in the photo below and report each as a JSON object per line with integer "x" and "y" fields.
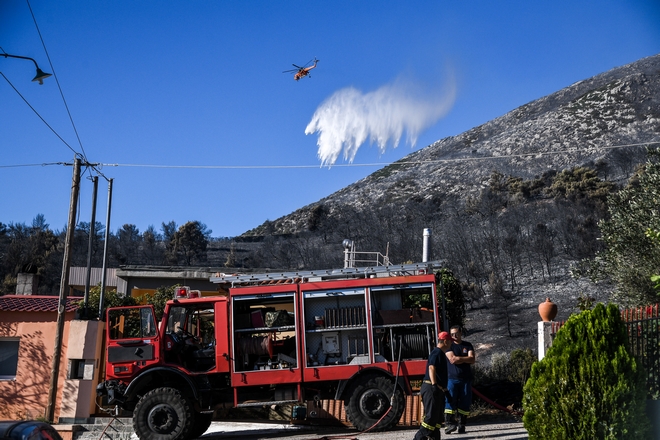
{"x": 643, "y": 325}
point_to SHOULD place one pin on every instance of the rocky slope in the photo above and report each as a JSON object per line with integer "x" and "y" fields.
{"x": 603, "y": 123}
{"x": 598, "y": 120}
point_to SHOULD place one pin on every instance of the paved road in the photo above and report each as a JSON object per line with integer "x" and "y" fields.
{"x": 267, "y": 431}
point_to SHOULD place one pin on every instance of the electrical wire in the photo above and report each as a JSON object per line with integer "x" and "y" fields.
{"x": 98, "y": 166}
{"x": 88, "y": 166}
{"x": 38, "y": 115}
{"x": 376, "y": 164}
{"x": 66, "y": 106}
{"x": 34, "y": 165}
{"x": 97, "y": 170}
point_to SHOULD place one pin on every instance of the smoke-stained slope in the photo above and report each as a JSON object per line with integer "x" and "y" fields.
{"x": 583, "y": 124}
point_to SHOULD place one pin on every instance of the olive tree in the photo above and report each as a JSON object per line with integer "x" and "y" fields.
{"x": 631, "y": 256}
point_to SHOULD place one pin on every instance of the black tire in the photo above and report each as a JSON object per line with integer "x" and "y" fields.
{"x": 370, "y": 400}
{"x": 202, "y": 423}
{"x": 163, "y": 414}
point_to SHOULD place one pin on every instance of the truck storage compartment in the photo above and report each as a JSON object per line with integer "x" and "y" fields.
{"x": 404, "y": 321}
{"x": 264, "y": 331}
{"x": 341, "y": 335}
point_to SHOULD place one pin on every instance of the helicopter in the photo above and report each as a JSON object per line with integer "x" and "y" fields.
{"x": 302, "y": 72}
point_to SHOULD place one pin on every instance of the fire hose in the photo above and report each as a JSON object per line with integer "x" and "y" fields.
{"x": 396, "y": 379}
{"x": 496, "y": 405}
{"x": 474, "y": 391}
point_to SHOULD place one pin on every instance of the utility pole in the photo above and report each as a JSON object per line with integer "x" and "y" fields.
{"x": 105, "y": 252}
{"x": 64, "y": 286}
{"x": 92, "y": 232}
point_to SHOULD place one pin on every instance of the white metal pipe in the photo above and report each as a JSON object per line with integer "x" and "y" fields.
{"x": 426, "y": 251}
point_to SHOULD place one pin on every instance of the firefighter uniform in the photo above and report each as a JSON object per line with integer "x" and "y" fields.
{"x": 433, "y": 391}
{"x": 459, "y": 383}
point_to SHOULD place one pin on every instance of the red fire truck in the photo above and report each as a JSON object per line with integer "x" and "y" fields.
{"x": 360, "y": 335}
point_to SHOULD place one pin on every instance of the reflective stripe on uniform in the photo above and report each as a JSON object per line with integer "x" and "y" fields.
{"x": 460, "y": 411}
{"x": 427, "y": 426}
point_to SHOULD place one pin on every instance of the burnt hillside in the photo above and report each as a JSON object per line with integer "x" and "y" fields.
{"x": 513, "y": 203}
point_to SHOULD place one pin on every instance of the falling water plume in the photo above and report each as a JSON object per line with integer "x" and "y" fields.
{"x": 346, "y": 119}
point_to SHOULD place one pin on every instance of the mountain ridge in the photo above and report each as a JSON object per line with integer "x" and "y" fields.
{"x": 513, "y": 203}
{"x": 577, "y": 125}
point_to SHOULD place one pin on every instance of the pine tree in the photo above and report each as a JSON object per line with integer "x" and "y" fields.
{"x": 588, "y": 386}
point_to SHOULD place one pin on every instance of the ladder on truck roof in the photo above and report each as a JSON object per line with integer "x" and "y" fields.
{"x": 327, "y": 274}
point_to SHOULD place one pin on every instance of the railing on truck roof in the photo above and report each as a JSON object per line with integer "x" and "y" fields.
{"x": 327, "y": 274}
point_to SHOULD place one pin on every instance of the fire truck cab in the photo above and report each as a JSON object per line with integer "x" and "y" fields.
{"x": 357, "y": 335}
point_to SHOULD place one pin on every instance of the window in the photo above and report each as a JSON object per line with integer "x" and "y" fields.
{"x": 81, "y": 369}
{"x": 135, "y": 322}
{"x": 8, "y": 358}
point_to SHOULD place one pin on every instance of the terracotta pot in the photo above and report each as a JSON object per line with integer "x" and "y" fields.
{"x": 547, "y": 310}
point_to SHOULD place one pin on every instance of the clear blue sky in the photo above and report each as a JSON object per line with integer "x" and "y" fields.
{"x": 163, "y": 84}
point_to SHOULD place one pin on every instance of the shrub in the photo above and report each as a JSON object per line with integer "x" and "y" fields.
{"x": 110, "y": 299}
{"x": 159, "y": 298}
{"x": 588, "y": 386}
{"x": 502, "y": 381}
{"x": 520, "y": 365}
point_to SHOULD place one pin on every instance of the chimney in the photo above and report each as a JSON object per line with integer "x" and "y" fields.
{"x": 426, "y": 250}
{"x": 26, "y": 283}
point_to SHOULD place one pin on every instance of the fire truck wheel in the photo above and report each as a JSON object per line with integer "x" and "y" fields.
{"x": 370, "y": 400}
{"x": 163, "y": 414}
{"x": 202, "y": 423}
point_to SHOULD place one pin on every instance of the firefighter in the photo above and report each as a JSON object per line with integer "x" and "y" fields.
{"x": 460, "y": 358}
{"x": 433, "y": 389}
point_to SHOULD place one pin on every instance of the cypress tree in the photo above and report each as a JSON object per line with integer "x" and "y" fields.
{"x": 588, "y": 386}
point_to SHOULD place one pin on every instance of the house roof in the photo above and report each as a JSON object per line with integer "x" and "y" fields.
{"x": 35, "y": 303}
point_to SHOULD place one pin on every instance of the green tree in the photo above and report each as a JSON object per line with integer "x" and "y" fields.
{"x": 520, "y": 365}
{"x": 454, "y": 300}
{"x": 588, "y": 386}
{"x": 580, "y": 182}
{"x": 128, "y": 242}
{"x": 654, "y": 235}
{"x": 631, "y": 257}
{"x": 81, "y": 239}
{"x": 159, "y": 298}
{"x": 190, "y": 243}
{"x": 152, "y": 251}
{"x": 25, "y": 248}
{"x": 110, "y": 299}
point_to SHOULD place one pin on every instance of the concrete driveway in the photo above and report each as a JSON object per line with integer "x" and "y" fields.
{"x": 242, "y": 430}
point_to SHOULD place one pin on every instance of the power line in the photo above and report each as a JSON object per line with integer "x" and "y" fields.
{"x": 34, "y": 165}
{"x": 83, "y": 156}
{"x": 376, "y": 164}
{"x": 346, "y": 165}
{"x": 66, "y": 106}
{"x": 38, "y": 115}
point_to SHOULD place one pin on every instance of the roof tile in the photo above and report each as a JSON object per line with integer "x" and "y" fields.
{"x": 35, "y": 303}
